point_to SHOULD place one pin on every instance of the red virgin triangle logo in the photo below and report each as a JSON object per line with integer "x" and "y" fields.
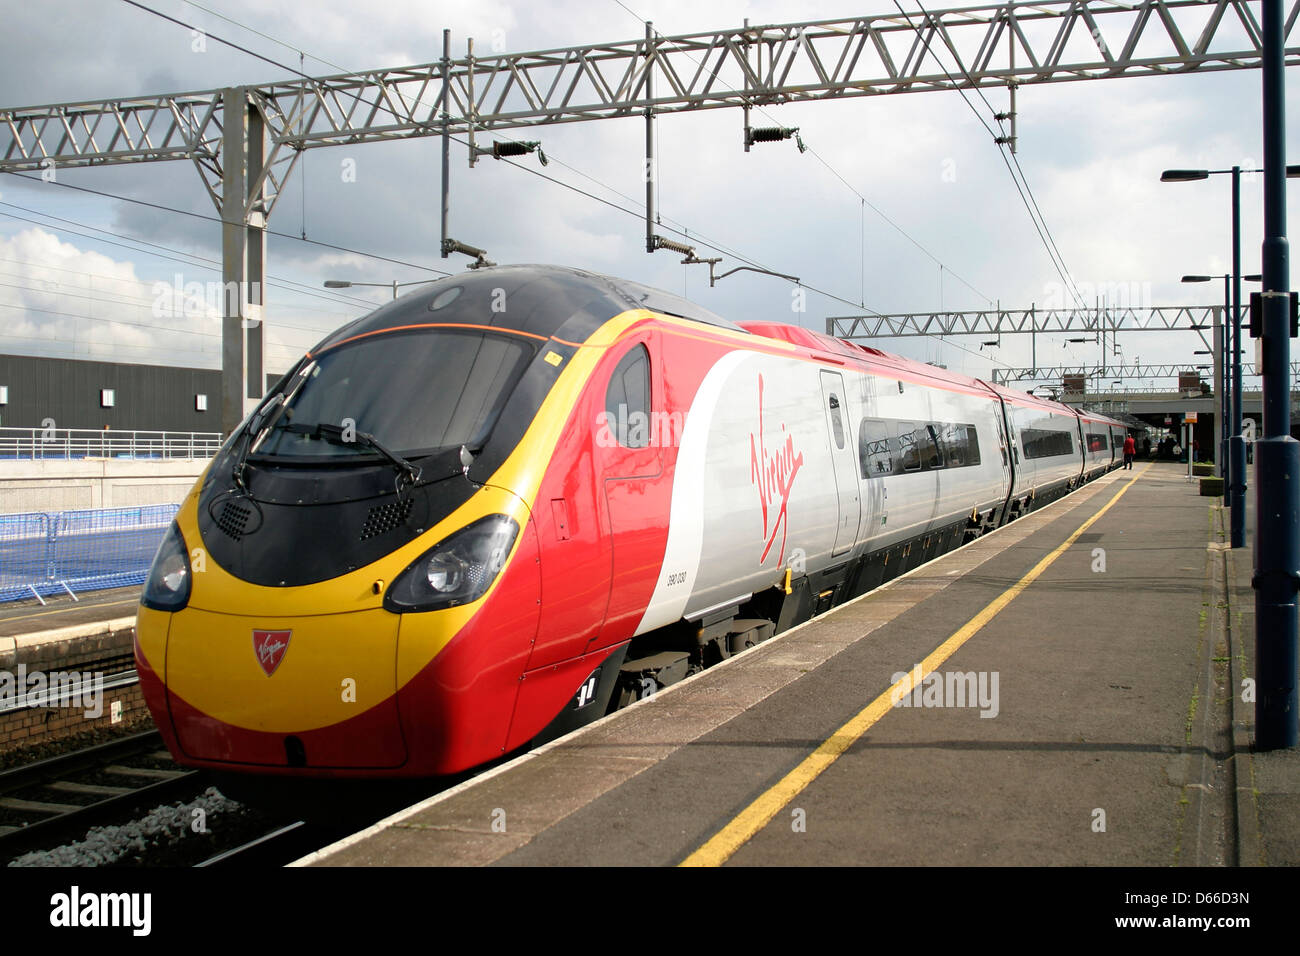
{"x": 269, "y": 646}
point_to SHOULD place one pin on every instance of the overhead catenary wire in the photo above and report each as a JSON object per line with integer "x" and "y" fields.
{"x": 862, "y": 198}
{"x": 1035, "y": 214}
{"x": 696, "y": 236}
{"x": 714, "y": 243}
{"x": 219, "y": 219}
{"x": 866, "y": 202}
{"x": 338, "y": 66}
{"x": 174, "y": 258}
{"x": 530, "y": 170}
{"x": 201, "y": 262}
{"x": 1001, "y": 142}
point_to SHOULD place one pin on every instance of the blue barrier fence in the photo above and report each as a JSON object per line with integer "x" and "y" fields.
{"x": 71, "y": 551}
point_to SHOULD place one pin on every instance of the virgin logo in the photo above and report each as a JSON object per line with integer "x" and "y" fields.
{"x": 773, "y": 473}
{"x": 269, "y": 646}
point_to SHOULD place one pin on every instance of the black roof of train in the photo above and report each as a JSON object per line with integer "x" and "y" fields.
{"x": 536, "y": 299}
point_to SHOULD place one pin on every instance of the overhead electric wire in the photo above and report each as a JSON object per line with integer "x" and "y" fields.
{"x": 213, "y": 265}
{"x": 712, "y": 244}
{"x": 535, "y": 172}
{"x": 979, "y": 90}
{"x": 864, "y": 200}
{"x": 218, "y": 219}
{"x": 613, "y": 205}
{"x": 703, "y": 240}
{"x": 1035, "y": 214}
{"x": 910, "y": 238}
{"x": 172, "y": 313}
{"x": 197, "y": 265}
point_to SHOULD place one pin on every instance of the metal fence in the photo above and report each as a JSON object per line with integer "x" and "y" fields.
{"x": 65, "y": 443}
{"x": 71, "y": 551}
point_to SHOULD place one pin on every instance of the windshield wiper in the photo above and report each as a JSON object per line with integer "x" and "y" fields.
{"x": 334, "y": 434}
{"x": 260, "y": 421}
{"x": 266, "y": 416}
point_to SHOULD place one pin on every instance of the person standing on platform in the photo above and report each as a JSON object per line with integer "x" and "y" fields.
{"x": 1130, "y": 451}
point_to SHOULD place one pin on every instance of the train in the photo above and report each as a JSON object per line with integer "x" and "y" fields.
{"x": 508, "y": 503}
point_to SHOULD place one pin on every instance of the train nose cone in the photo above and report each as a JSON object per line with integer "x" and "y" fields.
{"x": 316, "y": 691}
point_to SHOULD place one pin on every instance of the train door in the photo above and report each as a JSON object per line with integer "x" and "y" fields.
{"x": 1022, "y": 470}
{"x": 1085, "y": 446}
{"x": 845, "y": 467}
{"x": 638, "y": 492}
{"x": 1004, "y": 448}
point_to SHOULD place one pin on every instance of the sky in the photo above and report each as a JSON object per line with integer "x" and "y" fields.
{"x": 902, "y": 204}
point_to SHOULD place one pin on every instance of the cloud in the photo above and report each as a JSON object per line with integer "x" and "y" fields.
{"x": 1092, "y": 152}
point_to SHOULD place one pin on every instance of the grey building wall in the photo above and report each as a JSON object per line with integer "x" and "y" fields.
{"x": 145, "y": 397}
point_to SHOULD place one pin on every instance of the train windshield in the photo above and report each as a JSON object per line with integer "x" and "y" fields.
{"x": 414, "y": 391}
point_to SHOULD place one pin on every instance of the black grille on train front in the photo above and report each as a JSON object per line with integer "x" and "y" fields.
{"x": 384, "y": 518}
{"x": 233, "y": 519}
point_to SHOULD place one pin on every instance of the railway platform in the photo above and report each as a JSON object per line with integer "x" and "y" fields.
{"x": 84, "y": 647}
{"x": 30, "y": 619}
{"x": 1064, "y": 691}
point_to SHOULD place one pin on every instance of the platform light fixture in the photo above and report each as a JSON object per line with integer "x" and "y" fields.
{"x": 394, "y": 285}
{"x": 1235, "y": 477}
{"x": 1231, "y": 380}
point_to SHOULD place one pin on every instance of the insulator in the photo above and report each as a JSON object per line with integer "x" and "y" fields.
{"x": 500, "y": 150}
{"x": 769, "y": 134}
{"x": 662, "y": 243}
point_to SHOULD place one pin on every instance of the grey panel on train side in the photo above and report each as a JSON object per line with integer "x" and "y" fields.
{"x": 1049, "y": 445}
{"x": 931, "y": 455}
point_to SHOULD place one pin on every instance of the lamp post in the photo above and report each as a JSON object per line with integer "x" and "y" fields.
{"x": 1277, "y": 454}
{"x": 1237, "y": 472}
{"x": 394, "y": 285}
{"x": 1222, "y": 362}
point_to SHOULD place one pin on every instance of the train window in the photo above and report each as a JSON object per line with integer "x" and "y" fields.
{"x": 916, "y": 448}
{"x": 960, "y": 444}
{"x": 928, "y": 443}
{"x": 908, "y": 453}
{"x": 414, "y": 391}
{"x": 1097, "y": 442}
{"x": 1042, "y": 443}
{"x": 837, "y": 421}
{"x": 627, "y": 402}
{"x": 875, "y": 448}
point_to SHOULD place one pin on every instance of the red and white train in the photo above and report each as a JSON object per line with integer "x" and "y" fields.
{"x": 489, "y": 512}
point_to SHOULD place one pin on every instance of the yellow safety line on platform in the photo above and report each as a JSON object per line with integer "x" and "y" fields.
{"x": 758, "y": 814}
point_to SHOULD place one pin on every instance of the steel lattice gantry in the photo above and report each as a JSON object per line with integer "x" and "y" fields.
{"x": 998, "y": 321}
{"x": 268, "y": 126}
{"x": 1058, "y": 373}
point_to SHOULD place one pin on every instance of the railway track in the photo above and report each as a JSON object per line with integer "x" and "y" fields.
{"x": 54, "y": 802}
{"x": 280, "y": 846}
{"x": 49, "y": 802}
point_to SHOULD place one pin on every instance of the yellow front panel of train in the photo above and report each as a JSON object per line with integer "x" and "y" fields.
{"x": 282, "y": 674}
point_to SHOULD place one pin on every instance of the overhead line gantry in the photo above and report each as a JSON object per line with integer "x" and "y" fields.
{"x": 245, "y": 140}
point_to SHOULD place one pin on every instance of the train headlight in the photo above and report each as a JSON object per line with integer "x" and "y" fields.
{"x": 457, "y": 570}
{"x": 445, "y": 572}
{"x": 168, "y": 585}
